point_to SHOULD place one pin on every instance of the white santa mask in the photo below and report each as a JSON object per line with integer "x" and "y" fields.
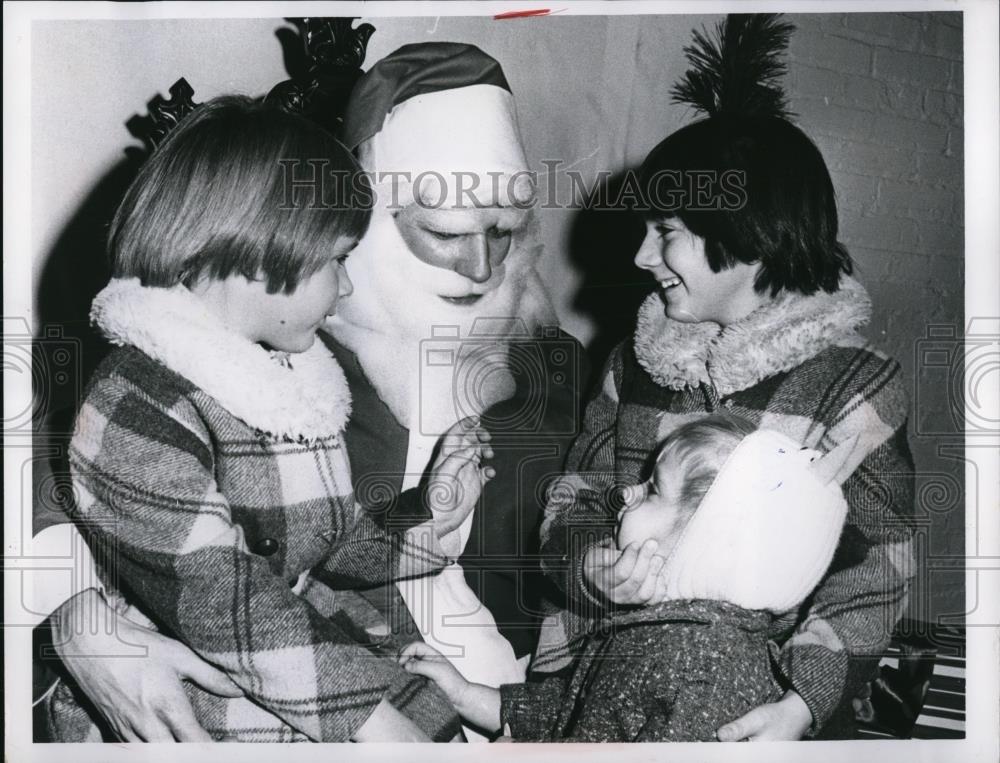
{"x": 450, "y": 250}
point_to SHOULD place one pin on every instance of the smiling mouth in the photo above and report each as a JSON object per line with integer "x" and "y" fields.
{"x": 669, "y": 283}
{"x": 470, "y": 299}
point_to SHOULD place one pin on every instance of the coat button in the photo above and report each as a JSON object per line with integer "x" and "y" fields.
{"x": 265, "y": 547}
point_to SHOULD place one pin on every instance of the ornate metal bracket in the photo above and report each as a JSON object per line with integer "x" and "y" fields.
{"x": 324, "y": 60}
{"x": 164, "y": 114}
{"x": 323, "y": 57}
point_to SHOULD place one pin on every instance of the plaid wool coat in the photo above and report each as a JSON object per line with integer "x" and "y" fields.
{"x": 797, "y": 366}
{"x": 213, "y": 476}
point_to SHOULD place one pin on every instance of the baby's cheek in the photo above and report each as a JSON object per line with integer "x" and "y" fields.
{"x": 667, "y": 540}
{"x": 671, "y": 534}
{"x": 637, "y": 526}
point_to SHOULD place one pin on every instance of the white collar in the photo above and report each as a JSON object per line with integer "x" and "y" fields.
{"x": 301, "y": 397}
{"x": 776, "y": 337}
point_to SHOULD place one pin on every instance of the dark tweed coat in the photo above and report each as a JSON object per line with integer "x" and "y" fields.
{"x": 674, "y": 672}
{"x": 796, "y": 366}
{"x": 213, "y": 475}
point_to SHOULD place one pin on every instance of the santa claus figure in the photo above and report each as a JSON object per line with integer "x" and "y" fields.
{"x": 449, "y": 319}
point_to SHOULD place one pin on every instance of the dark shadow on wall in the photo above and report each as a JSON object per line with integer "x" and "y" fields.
{"x": 67, "y": 348}
{"x": 604, "y": 238}
{"x": 64, "y": 355}
{"x": 77, "y": 268}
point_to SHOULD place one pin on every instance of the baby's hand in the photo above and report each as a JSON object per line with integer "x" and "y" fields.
{"x": 425, "y": 660}
{"x": 632, "y": 576}
{"x": 478, "y": 705}
{"x": 457, "y": 476}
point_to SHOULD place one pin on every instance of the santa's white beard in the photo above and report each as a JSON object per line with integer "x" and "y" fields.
{"x": 428, "y": 359}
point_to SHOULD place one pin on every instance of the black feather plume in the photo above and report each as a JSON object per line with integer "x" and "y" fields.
{"x": 737, "y": 72}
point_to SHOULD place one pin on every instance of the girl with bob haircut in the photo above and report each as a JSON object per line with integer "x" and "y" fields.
{"x": 208, "y": 461}
{"x": 756, "y": 314}
{"x": 241, "y": 189}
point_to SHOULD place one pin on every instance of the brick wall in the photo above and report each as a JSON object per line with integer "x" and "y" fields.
{"x": 881, "y": 94}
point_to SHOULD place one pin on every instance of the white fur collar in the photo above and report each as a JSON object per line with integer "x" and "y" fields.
{"x": 776, "y": 337}
{"x": 300, "y": 397}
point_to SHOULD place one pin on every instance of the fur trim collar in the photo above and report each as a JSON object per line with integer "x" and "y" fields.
{"x": 776, "y": 337}
{"x": 299, "y": 397}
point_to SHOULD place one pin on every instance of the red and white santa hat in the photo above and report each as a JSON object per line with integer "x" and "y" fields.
{"x": 442, "y": 116}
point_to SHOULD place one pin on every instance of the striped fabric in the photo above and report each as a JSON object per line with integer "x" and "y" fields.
{"x": 923, "y": 693}
{"x": 943, "y": 713}
{"x": 796, "y": 366}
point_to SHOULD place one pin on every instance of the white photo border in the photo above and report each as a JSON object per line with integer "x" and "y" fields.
{"x": 982, "y": 299}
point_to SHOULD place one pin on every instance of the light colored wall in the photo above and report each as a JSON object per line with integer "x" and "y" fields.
{"x": 881, "y": 94}
{"x": 89, "y": 77}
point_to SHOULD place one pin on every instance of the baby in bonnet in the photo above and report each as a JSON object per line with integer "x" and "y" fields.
{"x": 747, "y": 522}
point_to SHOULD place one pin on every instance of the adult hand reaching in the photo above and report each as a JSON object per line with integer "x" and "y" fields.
{"x": 631, "y": 576}
{"x": 142, "y": 698}
{"x": 787, "y": 719}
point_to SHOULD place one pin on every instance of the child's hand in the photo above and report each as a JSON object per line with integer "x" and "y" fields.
{"x": 457, "y": 476}
{"x": 425, "y": 660}
{"x": 476, "y": 703}
{"x": 632, "y": 576}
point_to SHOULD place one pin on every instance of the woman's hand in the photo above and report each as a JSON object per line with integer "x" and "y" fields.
{"x": 142, "y": 698}
{"x": 787, "y": 719}
{"x": 457, "y": 477}
{"x": 632, "y": 576}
